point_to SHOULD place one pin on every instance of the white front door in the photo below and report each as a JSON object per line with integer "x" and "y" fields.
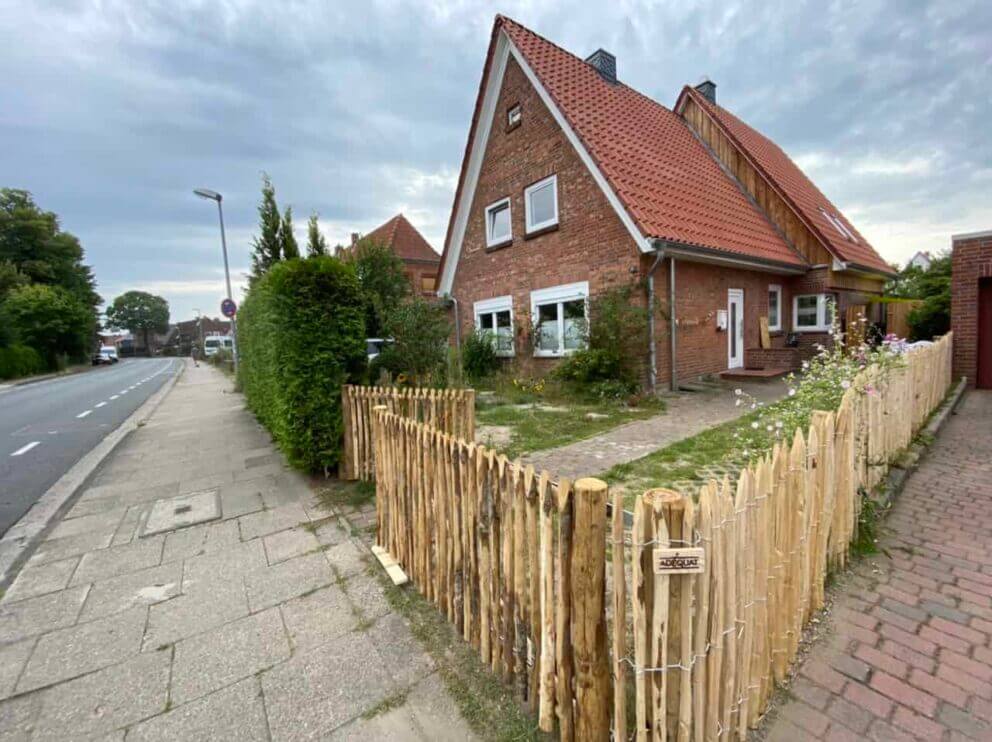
{"x": 735, "y": 328}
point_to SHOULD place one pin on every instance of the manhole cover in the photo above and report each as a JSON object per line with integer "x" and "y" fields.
{"x": 180, "y": 512}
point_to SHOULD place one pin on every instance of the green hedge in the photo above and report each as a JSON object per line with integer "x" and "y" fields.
{"x": 301, "y": 335}
{"x": 20, "y": 360}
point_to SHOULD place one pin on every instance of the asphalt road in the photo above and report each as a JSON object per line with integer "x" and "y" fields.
{"x": 46, "y": 427}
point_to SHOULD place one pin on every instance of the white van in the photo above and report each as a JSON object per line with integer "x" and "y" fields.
{"x": 217, "y": 342}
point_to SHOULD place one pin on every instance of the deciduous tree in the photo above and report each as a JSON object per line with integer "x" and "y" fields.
{"x": 139, "y": 311}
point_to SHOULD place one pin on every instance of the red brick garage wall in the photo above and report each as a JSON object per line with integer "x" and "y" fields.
{"x": 971, "y": 260}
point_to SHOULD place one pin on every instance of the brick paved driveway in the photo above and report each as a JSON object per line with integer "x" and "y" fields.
{"x": 909, "y": 656}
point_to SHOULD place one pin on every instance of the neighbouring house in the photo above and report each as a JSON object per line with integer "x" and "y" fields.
{"x": 971, "y": 307}
{"x": 921, "y": 260}
{"x": 573, "y": 182}
{"x": 192, "y": 331}
{"x": 419, "y": 259}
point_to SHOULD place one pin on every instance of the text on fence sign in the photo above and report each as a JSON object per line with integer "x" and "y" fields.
{"x": 678, "y": 561}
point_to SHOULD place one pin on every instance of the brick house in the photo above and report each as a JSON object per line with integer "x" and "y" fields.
{"x": 971, "y": 307}
{"x": 419, "y": 258}
{"x": 572, "y": 182}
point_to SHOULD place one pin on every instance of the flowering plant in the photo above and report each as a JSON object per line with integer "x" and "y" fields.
{"x": 822, "y": 384}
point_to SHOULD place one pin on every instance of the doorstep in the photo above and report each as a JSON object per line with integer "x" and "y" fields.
{"x": 753, "y": 374}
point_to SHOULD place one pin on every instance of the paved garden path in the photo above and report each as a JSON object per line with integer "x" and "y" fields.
{"x": 686, "y": 414}
{"x": 908, "y": 654}
{"x": 265, "y": 624}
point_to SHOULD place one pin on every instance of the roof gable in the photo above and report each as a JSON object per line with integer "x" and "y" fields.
{"x": 809, "y": 203}
{"x": 659, "y": 177}
{"x": 403, "y": 239}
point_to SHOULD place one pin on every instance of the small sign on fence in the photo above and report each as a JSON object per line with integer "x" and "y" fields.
{"x": 678, "y": 561}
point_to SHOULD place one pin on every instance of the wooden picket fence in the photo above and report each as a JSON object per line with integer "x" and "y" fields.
{"x": 517, "y": 561}
{"x": 513, "y": 558}
{"x": 449, "y": 410}
{"x": 701, "y": 652}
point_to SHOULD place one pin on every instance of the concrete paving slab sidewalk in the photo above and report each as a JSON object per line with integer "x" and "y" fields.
{"x": 256, "y": 625}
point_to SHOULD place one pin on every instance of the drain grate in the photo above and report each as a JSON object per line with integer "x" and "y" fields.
{"x": 182, "y": 512}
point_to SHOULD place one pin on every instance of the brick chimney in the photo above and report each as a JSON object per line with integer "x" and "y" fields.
{"x": 605, "y": 64}
{"x": 708, "y": 88}
{"x": 354, "y": 238}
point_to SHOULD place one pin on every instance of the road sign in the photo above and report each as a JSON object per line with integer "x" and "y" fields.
{"x": 228, "y": 308}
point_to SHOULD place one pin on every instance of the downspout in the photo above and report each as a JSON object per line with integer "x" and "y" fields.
{"x": 671, "y": 319}
{"x": 659, "y": 252}
{"x": 458, "y": 325}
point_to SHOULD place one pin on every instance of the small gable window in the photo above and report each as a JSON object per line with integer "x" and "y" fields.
{"x": 514, "y": 116}
{"x": 541, "y": 204}
{"x": 498, "y": 229}
{"x": 840, "y": 226}
{"x": 774, "y": 307}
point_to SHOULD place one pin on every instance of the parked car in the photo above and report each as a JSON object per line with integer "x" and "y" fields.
{"x": 106, "y": 356}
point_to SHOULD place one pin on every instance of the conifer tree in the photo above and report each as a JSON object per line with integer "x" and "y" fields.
{"x": 287, "y": 240}
{"x": 266, "y": 248}
{"x": 316, "y": 244}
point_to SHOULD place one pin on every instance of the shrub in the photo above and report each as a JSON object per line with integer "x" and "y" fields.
{"x": 49, "y": 319}
{"x": 611, "y": 364}
{"x": 19, "y": 360}
{"x": 301, "y": 336}
{"x": 419, "y": 352}
{"x": 479, "y": 357}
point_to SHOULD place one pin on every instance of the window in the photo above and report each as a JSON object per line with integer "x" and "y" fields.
{"x": 812, "y": 312}
{"x": 494, "y": 317}
{"x": 541, "y": 204}
{"x": 774, "y": 307}
{"x": 428, "y": 283}
{"x": 514, "y": 116}
{"x": 839, "y": 225}
{"x": 559, "y": 315}
{"x": 498, "y": 230}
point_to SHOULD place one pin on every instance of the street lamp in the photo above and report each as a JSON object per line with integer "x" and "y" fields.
{"x": 214, "y": 196}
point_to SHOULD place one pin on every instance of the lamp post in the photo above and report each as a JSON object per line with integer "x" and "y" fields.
{"x": 214, "y": 196}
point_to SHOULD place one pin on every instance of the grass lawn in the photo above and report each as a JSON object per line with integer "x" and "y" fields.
{"x": 554, "y": 421}
{"x": 684, "y": 465}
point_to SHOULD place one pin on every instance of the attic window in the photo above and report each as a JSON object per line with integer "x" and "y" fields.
{"x": 839, "y": 225}
{"x": 514, "y": 116}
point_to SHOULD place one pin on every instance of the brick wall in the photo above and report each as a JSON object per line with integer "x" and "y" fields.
{"x": 971, "y": 260}
{"x": 590, "y": 243}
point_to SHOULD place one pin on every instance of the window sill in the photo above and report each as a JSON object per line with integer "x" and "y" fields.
{"x": 541, "y": 231}
{"x": 499, "y": 245}
{"x": 812, "y": 330}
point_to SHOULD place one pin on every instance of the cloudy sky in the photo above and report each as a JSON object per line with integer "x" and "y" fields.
{"x": 111, "y": 112}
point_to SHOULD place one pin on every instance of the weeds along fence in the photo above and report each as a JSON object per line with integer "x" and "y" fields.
{"x": 514, "y": 559}
{"x": 448, "y": 410}
{"x": 677, "y": 628}
{"x": 697, "y": 654}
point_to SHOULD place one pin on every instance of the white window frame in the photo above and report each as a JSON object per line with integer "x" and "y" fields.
{"x": 557, "y": 295}
{"x": 774, "y": 288}
{"x": 551, "y": 180}
{"x": 515, "y": 109}
{"x": 492, "y": 306}
{"x": 824, "y": 320}
{"x": 492, "y": 241}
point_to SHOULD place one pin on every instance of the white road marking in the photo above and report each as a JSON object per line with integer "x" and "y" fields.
{"x": 24, "y": 449}
{"x": 99, "y": 404}
{"x": 114, "y": 396}
{"x": 123, "y": 391}
{"x": 84, "y": 414}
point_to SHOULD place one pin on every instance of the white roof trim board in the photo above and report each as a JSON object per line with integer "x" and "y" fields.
{"x": 504, "y": 48}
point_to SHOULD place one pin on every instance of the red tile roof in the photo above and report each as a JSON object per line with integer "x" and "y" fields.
{"x": 786, "y": 177}
{"x": 404, "y": 240}
{"x": 663, "y": 175}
